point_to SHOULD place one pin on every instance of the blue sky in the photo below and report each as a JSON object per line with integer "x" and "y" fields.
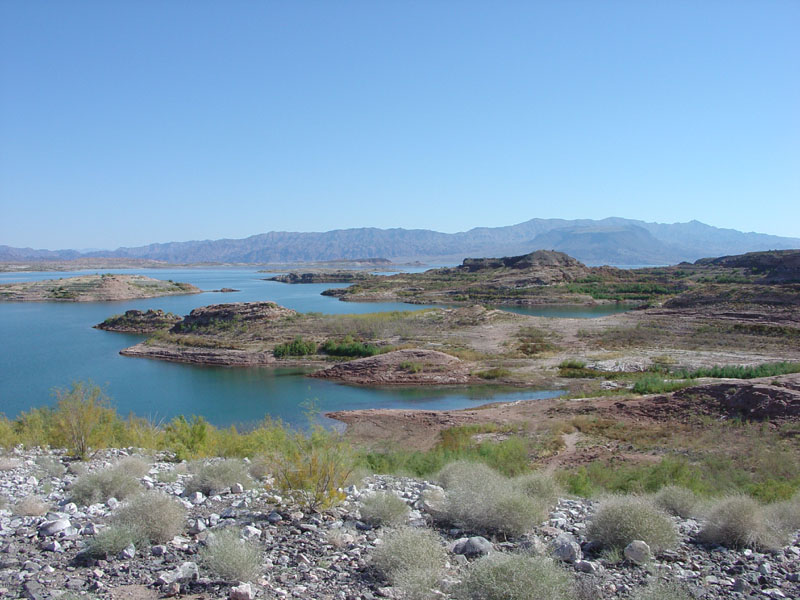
{"x": 125, "y": 123}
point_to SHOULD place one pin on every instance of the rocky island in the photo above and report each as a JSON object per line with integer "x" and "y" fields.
{"x": 93, "y": 288}
{"x": 713, "y": 313}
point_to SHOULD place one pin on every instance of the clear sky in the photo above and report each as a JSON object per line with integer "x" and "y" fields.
{"x": 125, "y": 123}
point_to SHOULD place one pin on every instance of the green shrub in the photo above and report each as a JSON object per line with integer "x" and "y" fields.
{"x": 410, "y": 553}
{"x": 313, "y": 469}
{"x": 664, "y": 590}
{"x": 384, "y": 508}
{"x": 482, "y": 500}
{"x": 102, "y": 485}
{"x": 495, "y": 373}
{"x": 297, "y": 347}
{"x": 350, "y": 348}
{"x": 83, "y": 418}
{"x": 213, "y": 477}
{"x": 539, "y": 486}
{"x": 113, "y": 539}
{"x": 512, "y": 576}
{"x": 227, "y": 556}
{"x": 572, "y": 363}
{"x": 155, "y": 515}
{"x": 739, "y": 521}
{"x": 676, "y": 500}
{"x": 654, "y": 384}
{"x": 620, "y": 520}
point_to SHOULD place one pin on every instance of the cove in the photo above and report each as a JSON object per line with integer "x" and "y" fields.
{"x": 49, "y": 345}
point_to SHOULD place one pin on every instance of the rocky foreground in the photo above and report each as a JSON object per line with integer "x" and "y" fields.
{"x": 321, "y": 555}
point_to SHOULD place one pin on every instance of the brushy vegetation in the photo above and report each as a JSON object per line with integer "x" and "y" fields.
{"x": 502, "y": 576}
{"x": 482, "y": 500}
{"x": 384, "y": 509}
{"x": 619, "y": 521}
{"x": 113, "y": 482}
{"x": 351, "y": 348}
{"x": 739, "y": 521}
{"x": 50, "y": 466}
{"x": 113, "y": 539}
{"x": 494, "y": 373}
{"x": 227, "y": 556}
{"x": 533, "y": 341}
{"x": 676, "y": 500}
{"x": 540, "y": 486}
{"x": 651, "y": 383}
{"x": 154, "y": 516}
{"x": 410, "y": 558}
{"x": 742, "y": 371}
{"x": 30, "y": 506}
{"x": 297, "y": 347}
{"x": 212, "y": 478}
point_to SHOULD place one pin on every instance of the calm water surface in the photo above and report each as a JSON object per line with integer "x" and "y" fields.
{"x": 49, "y": 345}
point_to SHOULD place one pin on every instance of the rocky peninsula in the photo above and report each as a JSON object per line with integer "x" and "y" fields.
{"x": 93, "y": 288}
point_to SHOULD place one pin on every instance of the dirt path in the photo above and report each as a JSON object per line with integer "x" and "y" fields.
{"x": 569, "y": 451}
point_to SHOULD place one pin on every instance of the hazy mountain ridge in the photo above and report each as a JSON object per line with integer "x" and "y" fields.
{"x": 607, "y": 241}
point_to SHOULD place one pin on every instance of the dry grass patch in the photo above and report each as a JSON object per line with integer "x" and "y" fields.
{"x": 227, "y": 556}
{"x": 384, "y": 508}
{"x": 104, "y": 484}
{"x": 676, "y": 500}
{"x": 410, "y": 559}
{"x": 739, "y": 521}
{"x": 513, "y": 576}
{"x": 30, "y": 506}
{"x": 157, "y": 516}
{"x": 214, "y": 477}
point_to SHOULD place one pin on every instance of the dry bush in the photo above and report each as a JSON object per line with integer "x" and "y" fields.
{"x": 410, "y": 558}
{"x": 785, "y": 516}
{"x": 112, "y": 540}
{"x": 539, "y": 486}
{"x": 739, "y": 521}
{"x": 30, "y": 506}
{"x": 676, "y": 500}
{"x": 482, "y": 500}
{"x": 384, "y": 508}
{"x": 261, "y": 467}
{"x": 227, "y": 556}
{"x": 620, "y": 520}
{"x": 51, "y": 466}
{"x": 134, "y": 466}
{"x": 102, "y": 485}
{"x": 8, "y": 464}
{"x": 155, "y": 515}
{"x": 214, "y": 477}
{"x": 503, "y": 576}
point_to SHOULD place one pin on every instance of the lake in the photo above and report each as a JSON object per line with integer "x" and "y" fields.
{"x": 49, "y": 345}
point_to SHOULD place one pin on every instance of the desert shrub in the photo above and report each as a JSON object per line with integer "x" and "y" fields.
{"x": 102, "y": 485}
{"x": 460, "y": 470}
{"x": 228, "y": 556}
{"x": 503, "y": 576}
{"x": 314, "y": 468}
{"x": 3, "y": 502}
{"x": 134, "y": 466}
{"x": 113, "y": 539}
{"x": 483, "y": 500}
{"x": 785, "y": 516}
{"x": 261, "y": 467}
{"x": 739, "y": 521}
{"x": 664, "y": 590}
{"x": 620, "y": 520}
{"x": 572, "y": 363}
{"x": 9, "y": 464}
{"x": 410, "y": 554}
{"x": 155, "y": 515}
{"x": 539, "y": 486}
{"x": 83, "y": 418}
{"x": 212, "y": 477}
{"x": 494, "y": 373}
{"x": 384, "y": 508}
{"x": 51, "y": 466}
{"x": 676, "y": 500}
{"x": 30, "y": 506}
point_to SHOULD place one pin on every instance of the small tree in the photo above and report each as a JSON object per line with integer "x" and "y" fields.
{"x": 83, "y": 418}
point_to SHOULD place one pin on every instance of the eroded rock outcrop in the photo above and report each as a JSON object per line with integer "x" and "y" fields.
{"x": 401, "y": 367}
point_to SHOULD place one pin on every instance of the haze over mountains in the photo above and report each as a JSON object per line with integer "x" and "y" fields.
{"x": 614, "y": 240}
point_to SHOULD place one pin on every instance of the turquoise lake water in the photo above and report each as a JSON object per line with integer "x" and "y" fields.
{"x": 48, "y": 345}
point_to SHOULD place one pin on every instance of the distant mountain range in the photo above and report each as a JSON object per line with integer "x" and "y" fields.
{"x": 614, "y": 241}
